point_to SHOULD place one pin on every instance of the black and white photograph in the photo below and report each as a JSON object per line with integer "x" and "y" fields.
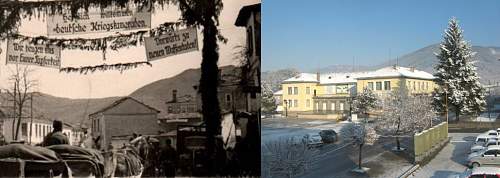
{"x": 381, "y": 89}
{"x": 130, "y": 88}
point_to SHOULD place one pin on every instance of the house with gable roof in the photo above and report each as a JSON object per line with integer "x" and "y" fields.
{"x": 122, "y": 118}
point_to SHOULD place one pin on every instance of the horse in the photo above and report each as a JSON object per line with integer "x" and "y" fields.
{"x": 118, "y": 162}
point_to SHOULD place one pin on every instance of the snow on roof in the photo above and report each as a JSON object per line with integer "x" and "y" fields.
{"x": 280, "y": 92}
{"x": 334, "y": 78}
{"x": 397, "y": 71}
{"x": 303, "y": 77}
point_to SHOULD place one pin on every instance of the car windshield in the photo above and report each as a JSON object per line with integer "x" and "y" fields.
{"x": 481, "y": 140}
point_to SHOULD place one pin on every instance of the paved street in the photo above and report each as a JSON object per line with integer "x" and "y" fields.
{"x": 451, "y": 160}
{"x": 336, "y": 160}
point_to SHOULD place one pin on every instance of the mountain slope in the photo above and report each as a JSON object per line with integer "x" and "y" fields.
{"x": 425, "y": 59}
{"x": 72, "y": 111}
{"x": 157, "y": 93}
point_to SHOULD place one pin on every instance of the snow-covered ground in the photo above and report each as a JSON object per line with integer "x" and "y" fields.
{"x": 275, "y": 129}
{"x": 485, "y": 117}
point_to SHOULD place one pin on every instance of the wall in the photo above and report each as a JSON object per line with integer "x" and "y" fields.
{"x": 363, "y": 83}
{"x": 119, "y": 125}
{"x": 429, "y": 141}
{"x": 40, "y": 129}
{"x": 302, "y": 96}
{"x": 427, "y": 88}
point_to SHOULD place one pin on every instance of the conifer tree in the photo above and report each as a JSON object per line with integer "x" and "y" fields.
{"x": 456, "y": 75}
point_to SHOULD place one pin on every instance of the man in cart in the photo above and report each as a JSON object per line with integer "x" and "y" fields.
{"x": 55, "y": 137}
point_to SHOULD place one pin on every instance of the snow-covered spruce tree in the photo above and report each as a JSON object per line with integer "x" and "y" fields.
{"x": 456, "y": 75}
{"x": 364, "y": 101}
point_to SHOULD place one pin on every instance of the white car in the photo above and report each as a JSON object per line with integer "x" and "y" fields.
{"x": 479, "y": 147}
{"x": 313, "y": 139}
{"x": 492, "y": 133}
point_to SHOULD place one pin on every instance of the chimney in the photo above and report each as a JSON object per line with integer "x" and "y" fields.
{"x": 412, "y": 69}
{"x": 174, "y": 96}
{"x": 317, "y": 76}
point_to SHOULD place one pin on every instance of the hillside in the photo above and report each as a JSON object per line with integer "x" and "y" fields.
{"x": 273, "y": 79}
{"x": 68, "y": 110}
{"x": 487, "y": 61}
{"x": 74, "y": 111}
{"x": 423, "y": 59}
{"x": 157, "y": 93}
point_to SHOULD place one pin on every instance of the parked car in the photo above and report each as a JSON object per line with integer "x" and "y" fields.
{"x": 483, "y": 138}
{"x": 328, "y": 136}
{"x": 479, "y": 147}
{"x": 309, "y": 139}
{"x": 480, "y": 172}
{"x": 492, "y": 133}
{"x": 489, "y": 156}
{"x": 313, "y": 139}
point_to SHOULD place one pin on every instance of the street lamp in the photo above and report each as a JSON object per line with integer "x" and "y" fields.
{"x": 286, "y": 108}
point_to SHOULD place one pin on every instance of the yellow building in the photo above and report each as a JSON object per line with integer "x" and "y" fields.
{"x": 329, "y": 95}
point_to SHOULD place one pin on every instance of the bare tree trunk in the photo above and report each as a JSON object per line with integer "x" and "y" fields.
{"x": 19, "y": 121}
{"x": 397, "y": 132}
{"x": 457, "y": 113}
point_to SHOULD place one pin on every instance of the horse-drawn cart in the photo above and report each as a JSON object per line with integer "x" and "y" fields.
{"x": 19, "y": 160}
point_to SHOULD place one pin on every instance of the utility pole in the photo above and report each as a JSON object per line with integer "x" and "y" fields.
{"x": 31, "y": 116}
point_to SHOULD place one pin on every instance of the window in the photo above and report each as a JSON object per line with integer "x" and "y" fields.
{"x": 490, "y": 153}
{"x": 308, "y": 90}
{"x": 418, "y": 83}
{"x": 250, "y": 40}
{"x": 308, "y": 103}
{"x": 289, "y": 90}
{"x": 295, "y": 103}
{"x": 333, "y": 106}
{"x": 43, "y": 133}
{"x": 290, "y": 103}
{"x": 414, "y": 87}
{"x": 409, "y": 85}
{"x": 379, "y": 85}
{"x": 370, "y": 85}
{"x": 36, "y": 130}
{"x": 387, "y": 85}
{"x": 24, "y": 129}
{"x": 228, "y": 100}
{"x": 314, "y": 92}
{"x": 423, "y": 86}
{"x": 343, "y": 89}
{"x": 324, "y": 106}
{"x": 341, "y": 105}
{"x": 427, "y": 85}
{"x": 295, "y": 90}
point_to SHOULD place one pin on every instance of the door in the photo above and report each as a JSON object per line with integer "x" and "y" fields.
{"x": 489, "y": 157}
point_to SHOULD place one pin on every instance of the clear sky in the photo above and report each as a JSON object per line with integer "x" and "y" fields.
{"x": 114, "y": 83}
{"x": 310, "y": 34}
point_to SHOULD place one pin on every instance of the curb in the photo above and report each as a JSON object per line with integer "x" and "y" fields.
{"x": 409, "y": 171}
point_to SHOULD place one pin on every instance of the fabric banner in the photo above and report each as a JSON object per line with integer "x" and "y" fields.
{"x": 170, "y": 44}
{"x": 22, "y": 52}
{"x": 98, "y": 21}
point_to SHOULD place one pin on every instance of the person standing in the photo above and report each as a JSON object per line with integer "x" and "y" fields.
{"x": 56, "y": 137}
{"x": 168, "y": 158}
